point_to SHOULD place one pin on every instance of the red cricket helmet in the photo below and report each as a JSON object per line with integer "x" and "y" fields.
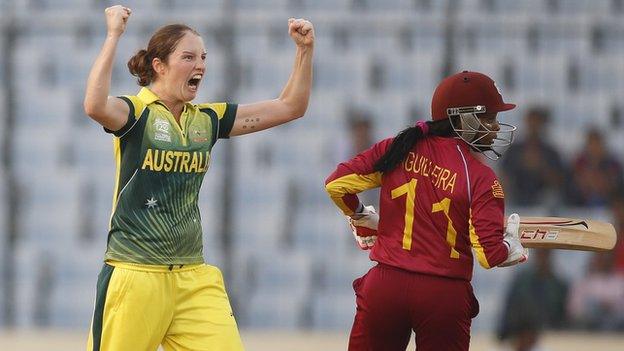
{"x": 463, "y": 98}
{"x": 466, "y": 89}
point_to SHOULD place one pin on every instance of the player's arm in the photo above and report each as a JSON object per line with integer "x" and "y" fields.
{"x": 351, "y": 178}
{"x": 354, "y": 176}
{"x": 110, "y": 112}
{"x": 293, "y": 100}
{"x": 486, "y": 225}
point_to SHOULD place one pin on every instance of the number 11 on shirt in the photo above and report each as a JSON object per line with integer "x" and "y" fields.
{"x": 409, "y": 189}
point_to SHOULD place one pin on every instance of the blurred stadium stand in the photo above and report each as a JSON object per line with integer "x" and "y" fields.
{"x": 290, "y": 260}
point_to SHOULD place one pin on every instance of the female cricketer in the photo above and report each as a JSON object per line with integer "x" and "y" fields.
{"x": 437, "y": 201}
{"x": 154, "y": 287}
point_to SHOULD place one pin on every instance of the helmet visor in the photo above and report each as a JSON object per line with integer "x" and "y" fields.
{"x": 481, "y": 136}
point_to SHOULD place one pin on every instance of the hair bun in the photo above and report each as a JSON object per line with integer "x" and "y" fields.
{"x": 140, "y": 67}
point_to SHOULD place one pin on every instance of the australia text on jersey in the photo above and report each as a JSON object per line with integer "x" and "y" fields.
{"x": 176, "y": 161}
{"x": 441, "y": 177}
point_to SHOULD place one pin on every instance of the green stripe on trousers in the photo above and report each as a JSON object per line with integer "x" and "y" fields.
{"x": 100, "y": 299}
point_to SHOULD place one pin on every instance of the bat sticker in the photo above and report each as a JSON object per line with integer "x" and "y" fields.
{"x": 539, "y": 234}
{"x": 561, "y": 223}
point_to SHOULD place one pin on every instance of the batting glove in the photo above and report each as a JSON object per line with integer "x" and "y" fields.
{"x": 364, "y": 227}
{"x": 517, "y": 253}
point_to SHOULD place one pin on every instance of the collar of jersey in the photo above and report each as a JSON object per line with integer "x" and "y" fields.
{"x": 148, "y": 96}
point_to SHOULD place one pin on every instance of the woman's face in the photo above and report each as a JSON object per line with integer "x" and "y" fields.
{"x": 491, "y": 123}
{"x": 185, "y": 68}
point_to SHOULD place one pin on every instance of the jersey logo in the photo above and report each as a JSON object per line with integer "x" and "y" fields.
{"x": 497, "y": 190}
{"x": 199, "y": 136}
{"x": 176, "y": 161}
{"x": 162, "y": 127}
{"x": 151, "y": 202}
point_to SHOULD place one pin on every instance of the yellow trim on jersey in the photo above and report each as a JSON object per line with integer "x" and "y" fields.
{"x": 139, "y": 104}
{"x": 476, "y": 245}
{"x": 351, "y": 184}
{"x": 117, "y": 155}
{"x": 343, "y": 207}
{"x": 218, "y": 107}
{"x": 147, "y": 96}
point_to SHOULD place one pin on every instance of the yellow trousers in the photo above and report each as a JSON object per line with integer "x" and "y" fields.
{"x": 139, "y": 307}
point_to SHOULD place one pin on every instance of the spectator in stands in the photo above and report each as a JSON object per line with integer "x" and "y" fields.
{"x": 526, "y": 334}
{"x": 532, "y": 170}
{"x": 536, "y": 300}
{"x": 360, "y": 129}
{"x": 359, "y": 137}
{"x": 596, "y": 300}
{"x": 597, "y": 173}
{"x": 154, "y": 287}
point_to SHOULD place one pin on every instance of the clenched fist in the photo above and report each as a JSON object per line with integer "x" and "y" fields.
{"x": 116, "y": 19}
{"x": 301, "y": 31}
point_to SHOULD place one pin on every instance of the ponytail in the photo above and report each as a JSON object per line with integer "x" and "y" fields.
{"x": 140, "y": 66}
{"x": 407, "y": 138}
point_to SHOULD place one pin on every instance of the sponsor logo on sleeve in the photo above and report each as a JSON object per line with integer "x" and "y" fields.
{"x": 497, "y": 190}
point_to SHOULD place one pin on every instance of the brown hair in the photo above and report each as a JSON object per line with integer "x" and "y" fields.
{"x": 162, "y": 43}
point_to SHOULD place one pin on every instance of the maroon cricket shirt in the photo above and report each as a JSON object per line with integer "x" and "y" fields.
{"x": 435, "y": 206}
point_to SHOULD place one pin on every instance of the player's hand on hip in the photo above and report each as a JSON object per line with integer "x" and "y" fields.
{"x": 364, "y": 227}
{"x": 517, "y": 253}
{"x": 116, "y": 19}
{"x": 301, "y": 31}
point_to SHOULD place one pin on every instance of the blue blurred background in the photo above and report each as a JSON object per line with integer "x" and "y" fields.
{"x": 288, "y": 256}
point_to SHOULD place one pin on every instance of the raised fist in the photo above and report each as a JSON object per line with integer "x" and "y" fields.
{"x": 116, "y": 19}
{"x": 301, "y": 31}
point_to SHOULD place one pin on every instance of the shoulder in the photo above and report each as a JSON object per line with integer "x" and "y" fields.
{"x": 219, "y": 108}
{"x": 475, "y": 160}
{"x": 479, "y": 170}
{"x": 378, "y": 149}
{"x": 137, "y": 106}
{"x": 384, "y": 144}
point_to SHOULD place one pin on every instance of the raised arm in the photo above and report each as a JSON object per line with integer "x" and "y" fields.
{"x": 110, "y": 112}
{"x": 293, "y": 101}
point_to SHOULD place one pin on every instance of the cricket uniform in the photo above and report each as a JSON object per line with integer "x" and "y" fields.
{"x": 154, "y": 287}
{"x": 436, "y": 207}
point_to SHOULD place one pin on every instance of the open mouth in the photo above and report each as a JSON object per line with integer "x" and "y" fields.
{"x": 193, "y": 83}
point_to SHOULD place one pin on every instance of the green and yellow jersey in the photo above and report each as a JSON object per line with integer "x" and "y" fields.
{"x": 160, "y": 168}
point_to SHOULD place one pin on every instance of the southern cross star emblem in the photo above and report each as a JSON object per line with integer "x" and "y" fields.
{"x": 151, "y": 202}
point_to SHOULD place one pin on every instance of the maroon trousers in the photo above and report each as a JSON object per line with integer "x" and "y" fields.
{"x": 392, "y": 302}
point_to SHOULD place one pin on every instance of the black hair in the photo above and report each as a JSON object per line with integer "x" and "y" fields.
{"x": 405, "y": 141}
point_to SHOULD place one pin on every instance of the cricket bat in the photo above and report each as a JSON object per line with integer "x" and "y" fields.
{"x": 566, "y": 233}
